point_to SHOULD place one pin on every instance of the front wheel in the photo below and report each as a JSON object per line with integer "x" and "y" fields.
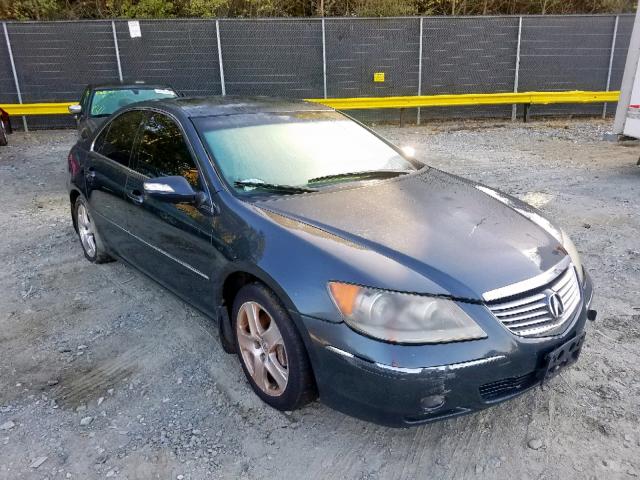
{"x": 3, "y": 134}
{"x": 271, "y": 351}
{"x": 90, "y": 240}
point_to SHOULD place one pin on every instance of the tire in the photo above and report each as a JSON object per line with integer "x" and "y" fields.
{"x": 264, "y": 351}
{"x": 3, "y": 135}
{"x": 90, "y": 239}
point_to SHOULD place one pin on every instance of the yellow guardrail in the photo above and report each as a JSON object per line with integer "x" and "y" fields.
{"x": 37, "y": 108}
{"x": 532, "y": 98}
{"x": 365, "y": 103}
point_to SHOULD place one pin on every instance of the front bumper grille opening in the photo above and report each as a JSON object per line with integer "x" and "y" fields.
{"x": 507, "y": 387}
{"x": 528, "y": 314}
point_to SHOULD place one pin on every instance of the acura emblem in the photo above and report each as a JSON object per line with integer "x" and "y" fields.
{"x": 554, "y": 304}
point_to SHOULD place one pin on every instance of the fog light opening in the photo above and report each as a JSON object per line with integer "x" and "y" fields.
{"x": 432, "y": 402}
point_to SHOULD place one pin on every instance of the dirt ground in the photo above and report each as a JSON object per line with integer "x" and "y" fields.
{"x": 103, "y": 374}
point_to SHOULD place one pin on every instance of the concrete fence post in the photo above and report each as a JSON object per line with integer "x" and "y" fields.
{"x": 15, "y": 72}
{"x": 516, "y": 77}
{"x": 324, "y": 59}
{"x": 222, "y": 85}
{"x": 611, "y": 54}
{"x": 420, "y": 68}
{"x": 117, "y": 48}
{"x": 115, "y": 44}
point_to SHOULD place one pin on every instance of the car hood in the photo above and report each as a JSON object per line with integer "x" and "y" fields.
{"x": 439, "y": 225}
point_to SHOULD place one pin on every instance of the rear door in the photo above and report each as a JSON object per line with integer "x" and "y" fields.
{"x": 106, "y": 176}
{"x": 173, "y": 241}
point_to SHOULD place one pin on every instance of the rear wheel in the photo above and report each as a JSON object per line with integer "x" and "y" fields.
{"x": 271, "y": 351}
{"x": 90, "y": 240}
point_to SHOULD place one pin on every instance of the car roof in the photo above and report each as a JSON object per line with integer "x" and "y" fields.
{"x": 212, "y": 106}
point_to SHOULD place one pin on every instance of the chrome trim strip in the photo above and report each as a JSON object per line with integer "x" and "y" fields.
{"x": 506, "y": 306}
{"x": 399, "y": 369}
{"x": 470, "y": 363}
{"x": 159, "y": 250}
{"x": 339, "y": 352}
{"x": 529, "y": 284}
{"x": 588, "y": 302}
{"x": 452, "y": 366}
{"x": 530, "y": 308}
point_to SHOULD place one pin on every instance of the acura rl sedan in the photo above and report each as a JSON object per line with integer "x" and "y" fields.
{"x": 336, "y": 264}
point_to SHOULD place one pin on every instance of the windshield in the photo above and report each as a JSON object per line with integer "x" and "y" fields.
{"x": 295, "y": 149}
{"x": 106, "y": 101}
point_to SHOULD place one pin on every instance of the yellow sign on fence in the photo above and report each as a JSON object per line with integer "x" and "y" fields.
{"x": 378, "y": 77}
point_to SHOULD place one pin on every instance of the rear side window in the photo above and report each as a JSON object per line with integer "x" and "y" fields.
{"x": 162, "y": 151}
{"x": 116, "y": 140}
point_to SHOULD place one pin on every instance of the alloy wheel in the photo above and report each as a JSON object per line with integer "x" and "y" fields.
{"x": 262, "y": 348}
{"x": 86, "y": 231}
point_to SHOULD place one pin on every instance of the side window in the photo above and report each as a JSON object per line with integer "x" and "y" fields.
{"x": 116, "y": 140}
{"x": 99, "y": 141}
{"x": 162, "y": 151}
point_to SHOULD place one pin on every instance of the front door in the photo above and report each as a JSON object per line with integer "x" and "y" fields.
{"x": 106, "y": 177}
{"x": 173, "y": 241}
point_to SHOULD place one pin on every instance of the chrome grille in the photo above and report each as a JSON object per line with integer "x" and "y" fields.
{"x": 531, "y": 315}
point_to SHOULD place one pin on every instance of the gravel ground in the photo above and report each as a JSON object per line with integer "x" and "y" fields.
{"x": 103, "y": 374}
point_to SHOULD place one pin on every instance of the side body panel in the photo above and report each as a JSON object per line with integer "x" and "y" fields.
{"x": 105, "y": 180}
{"x": 171, "y": 242}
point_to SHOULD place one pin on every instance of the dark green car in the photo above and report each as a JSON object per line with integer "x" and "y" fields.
{"x": 98, "y": 102}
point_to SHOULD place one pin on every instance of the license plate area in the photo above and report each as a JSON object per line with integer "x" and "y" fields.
{"x": 561, "y": 357}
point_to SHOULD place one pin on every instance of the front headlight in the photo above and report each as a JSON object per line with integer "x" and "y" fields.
{"x": 402, "y": 317}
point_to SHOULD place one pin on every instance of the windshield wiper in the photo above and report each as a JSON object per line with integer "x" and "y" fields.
{"x": 365, "y": 174}
{"x": 273, "y": 187}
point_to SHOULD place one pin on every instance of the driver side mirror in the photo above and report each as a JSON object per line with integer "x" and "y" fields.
{"x": 75, "y": 109}
{"x": 174, "y": 189}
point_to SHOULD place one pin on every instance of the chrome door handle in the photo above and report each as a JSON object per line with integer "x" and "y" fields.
{"x": 136, "y": 197}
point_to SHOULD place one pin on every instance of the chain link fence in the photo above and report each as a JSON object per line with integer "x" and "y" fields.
{"x": 313, "y": 58}
{"x": 272, "y": 57}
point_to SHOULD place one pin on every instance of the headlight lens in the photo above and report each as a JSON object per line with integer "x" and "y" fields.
{"x": 401, "y": 317}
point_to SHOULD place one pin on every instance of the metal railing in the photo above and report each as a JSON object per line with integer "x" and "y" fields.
{"x": 524, "y": 98}
{"x": 424, "y": 58}
{"x": 367, "y": 103}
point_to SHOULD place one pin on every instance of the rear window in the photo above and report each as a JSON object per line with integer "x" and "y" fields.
{"x": 106, "y": 101}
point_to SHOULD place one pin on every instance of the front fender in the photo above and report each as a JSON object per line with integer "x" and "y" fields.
{"x": 297, "y": 261}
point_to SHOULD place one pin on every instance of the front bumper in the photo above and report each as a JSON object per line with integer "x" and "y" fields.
{"x": 400, "y": 386}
